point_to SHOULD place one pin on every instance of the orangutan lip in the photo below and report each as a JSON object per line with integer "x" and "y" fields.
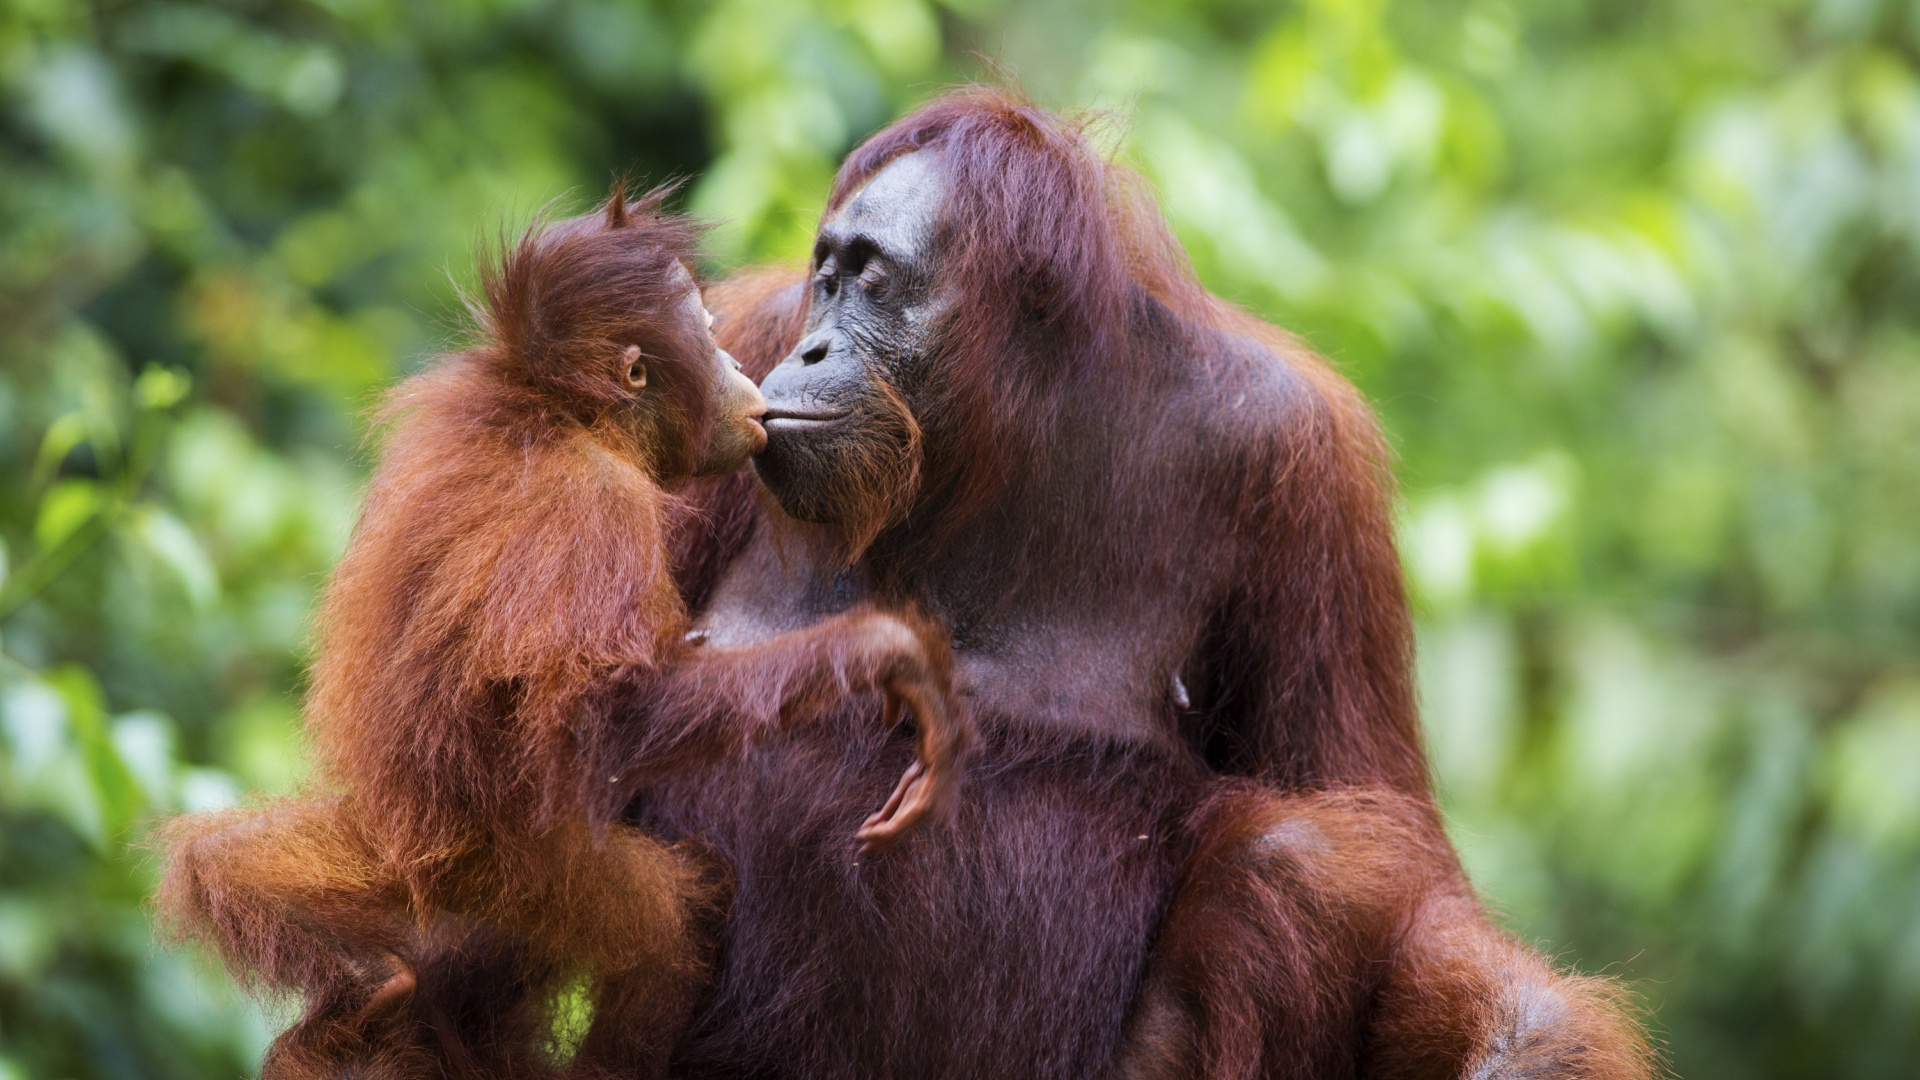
{"x": 783, "y": 420}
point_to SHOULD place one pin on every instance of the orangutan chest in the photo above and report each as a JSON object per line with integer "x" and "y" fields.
{"x": 1008, "y": 941}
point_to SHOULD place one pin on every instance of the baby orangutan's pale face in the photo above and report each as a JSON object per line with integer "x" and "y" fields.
{"x": 737, "y": 407}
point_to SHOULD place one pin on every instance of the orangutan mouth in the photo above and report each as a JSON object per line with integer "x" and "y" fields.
{"x": 791, "y": 420}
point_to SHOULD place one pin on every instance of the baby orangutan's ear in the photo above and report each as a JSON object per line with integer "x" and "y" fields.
{"x": 636, "y": 371}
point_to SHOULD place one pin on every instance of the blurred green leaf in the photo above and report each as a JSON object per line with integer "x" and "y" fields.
{"x": 146, "y": 744}
{"x": 67, "y": 506}
{"x": 161, "y": 387}
{"x": 63, "y": 437}
{"x": 114, "y": 789}
{"x": 175, "y": 546}
{"x": 36, "y": 725}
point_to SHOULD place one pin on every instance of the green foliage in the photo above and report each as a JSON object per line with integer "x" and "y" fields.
{"x": 1634, "y": 286}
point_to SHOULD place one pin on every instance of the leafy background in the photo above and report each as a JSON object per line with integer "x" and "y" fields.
{"x": 1634, "y": 285}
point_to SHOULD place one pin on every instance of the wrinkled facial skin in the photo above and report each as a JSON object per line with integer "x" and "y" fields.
{"x": 833, "y": 420}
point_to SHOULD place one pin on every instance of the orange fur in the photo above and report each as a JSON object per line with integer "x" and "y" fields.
{"x": 1331, "y": 933}
{"x": 502, "y": 658}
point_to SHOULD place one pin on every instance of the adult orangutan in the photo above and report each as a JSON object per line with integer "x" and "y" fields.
{"x": 1198, "y": 837}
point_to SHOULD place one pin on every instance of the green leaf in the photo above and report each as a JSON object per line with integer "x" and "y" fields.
{"x": 49, "y": 771}
{"x": 28, "y": 942}
{"x": 63, "y": 435}
{"x": 67, "y": 507}
{"x": 34, "y": 719}
{"x": 168, "y": 540}
{"x": 146, "y": 742}
{"x": 117, "y": 792}
{"x": 161, "y": 387}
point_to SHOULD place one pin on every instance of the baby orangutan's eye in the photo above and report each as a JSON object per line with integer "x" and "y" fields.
{"x": 636, "y": 371}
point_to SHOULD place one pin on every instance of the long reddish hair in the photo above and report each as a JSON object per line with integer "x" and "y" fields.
{"x": 468, "y": 614}
{"x": 1067, "y": 276}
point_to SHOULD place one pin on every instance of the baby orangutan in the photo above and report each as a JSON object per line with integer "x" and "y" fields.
{"x": 503, "y": 658}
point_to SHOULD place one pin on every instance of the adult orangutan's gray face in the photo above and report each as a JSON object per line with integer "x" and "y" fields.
{"x": 842, "y": 440}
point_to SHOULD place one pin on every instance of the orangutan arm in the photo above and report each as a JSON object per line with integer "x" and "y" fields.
{"x": 1331, "y": 933}
{"x": 716, "y": 701}
{"x": 1462, "y": 999}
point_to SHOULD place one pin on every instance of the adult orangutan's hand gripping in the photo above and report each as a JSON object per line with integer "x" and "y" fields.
{"x": 717, "y": 699}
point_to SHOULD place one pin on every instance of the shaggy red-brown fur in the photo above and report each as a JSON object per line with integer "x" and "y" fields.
{"x": 1070, "y": 292}
{"x": 1199, "y": 838}
{"x": 1331, "y": 934}
{"x": 507, "y": 587}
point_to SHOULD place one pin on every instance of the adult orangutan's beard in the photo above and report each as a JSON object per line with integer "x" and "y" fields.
{"x": 858, "y": 476}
